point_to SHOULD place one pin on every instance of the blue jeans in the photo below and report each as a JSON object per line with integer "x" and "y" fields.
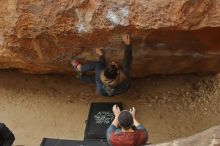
{"x": 96, "y": 66}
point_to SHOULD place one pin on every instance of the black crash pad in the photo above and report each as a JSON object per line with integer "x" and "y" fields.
{"x": 59, "y": 142}
{"x": 99, "y": 119}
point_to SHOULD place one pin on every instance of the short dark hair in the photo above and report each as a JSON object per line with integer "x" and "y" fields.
{"x": 111, "y": 72}
{"x": 125, "y": 120}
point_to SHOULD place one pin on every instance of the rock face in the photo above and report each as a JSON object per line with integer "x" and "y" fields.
{"x": 210, "y": 137}
{"x": 169, "y": 36}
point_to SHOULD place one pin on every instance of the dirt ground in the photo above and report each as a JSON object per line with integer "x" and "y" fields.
{"x": 56, "y": 106}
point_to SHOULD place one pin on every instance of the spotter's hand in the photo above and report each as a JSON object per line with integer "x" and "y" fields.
{"x": 116, "y": 110}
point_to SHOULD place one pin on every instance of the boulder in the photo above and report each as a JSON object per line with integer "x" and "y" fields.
{"x": 169, "y": 36}
{"x": 209, "y": 137}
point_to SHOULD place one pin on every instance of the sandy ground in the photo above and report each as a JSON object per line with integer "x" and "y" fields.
{"x": 56, "y": 106}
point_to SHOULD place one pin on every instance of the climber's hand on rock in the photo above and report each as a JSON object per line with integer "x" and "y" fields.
{"x": 99, "y": 51}
{"x": 126, "y": 39}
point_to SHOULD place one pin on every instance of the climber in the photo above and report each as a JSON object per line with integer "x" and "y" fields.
{"x": 6, "y": 136}
{"x": 125, "y": 129}
{"x": 110, "y": 79}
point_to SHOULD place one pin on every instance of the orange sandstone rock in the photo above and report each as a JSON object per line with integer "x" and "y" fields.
{"x": 169, "y": 36}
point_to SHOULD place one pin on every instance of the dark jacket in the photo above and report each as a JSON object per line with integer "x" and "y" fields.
{"x": 122, "y": 82}
{"x": 6, "y": 136}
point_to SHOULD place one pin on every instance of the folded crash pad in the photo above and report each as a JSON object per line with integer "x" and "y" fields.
{"x": 59, "y": 142}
